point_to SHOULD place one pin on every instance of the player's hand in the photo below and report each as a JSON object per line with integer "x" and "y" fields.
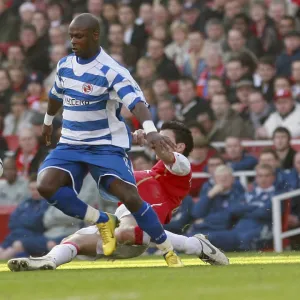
{"x": 139, "y": 138}
{"x": 159, "y": 142}
{"x": 47, "y": 134}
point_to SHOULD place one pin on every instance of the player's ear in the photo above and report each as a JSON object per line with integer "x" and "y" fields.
{"x": 96, "y": 35}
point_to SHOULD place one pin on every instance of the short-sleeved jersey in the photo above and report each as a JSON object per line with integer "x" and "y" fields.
{"x": 93, "y": 94}
{"x": 165, "y": 183}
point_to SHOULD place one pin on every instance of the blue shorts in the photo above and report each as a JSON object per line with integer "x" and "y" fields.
{"x": 104, "y": 162}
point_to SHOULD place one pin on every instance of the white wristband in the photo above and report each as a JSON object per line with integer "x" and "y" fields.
{"x": 48, "y": 119}
{"x": 149, "y": 127}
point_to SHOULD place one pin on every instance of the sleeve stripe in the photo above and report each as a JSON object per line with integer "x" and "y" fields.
{"x": 124, "y": 91}
{"x": 119, "y": 78}
{"x": 134, "y": 103}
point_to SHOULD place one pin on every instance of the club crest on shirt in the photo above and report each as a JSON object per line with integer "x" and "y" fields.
{"x": 87, "y": 88}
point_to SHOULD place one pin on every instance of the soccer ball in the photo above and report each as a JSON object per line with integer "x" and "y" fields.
{"x": 1, "y": 167}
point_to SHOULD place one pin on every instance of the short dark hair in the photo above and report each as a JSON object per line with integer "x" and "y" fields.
{"x": 242, "y": 16}
{"x": 182, "y": 135}
{"x": 269, "y": 151}
{"x": 290, "y": 18}
{"x": 29, "y": 27}
{"x": 284, "y": 78}
{"x": 186, "y": 79}
{"x": 196, "y": 124}
{"x": 282, "y": 130}
{"x": 267, "y": 60}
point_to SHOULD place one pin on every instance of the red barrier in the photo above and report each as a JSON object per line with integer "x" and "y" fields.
{"x": 5, "y": 212}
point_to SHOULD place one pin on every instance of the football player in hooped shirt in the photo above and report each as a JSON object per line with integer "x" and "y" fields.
{"x": 164, "y": 187}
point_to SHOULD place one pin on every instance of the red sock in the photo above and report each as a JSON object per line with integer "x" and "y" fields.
{"x": 138, "y": 233}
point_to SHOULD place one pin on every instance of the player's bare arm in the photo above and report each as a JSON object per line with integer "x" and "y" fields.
{"x": 53, "y": 107}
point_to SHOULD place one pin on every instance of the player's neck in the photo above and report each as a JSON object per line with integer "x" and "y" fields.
{"x": 84, "y": 61}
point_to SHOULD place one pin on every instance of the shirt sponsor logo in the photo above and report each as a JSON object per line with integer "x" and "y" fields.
{"x": 74, "y": 102}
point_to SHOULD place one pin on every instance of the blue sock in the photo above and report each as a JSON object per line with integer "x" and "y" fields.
{"x": 148, "y": 221}
{"x": 66, "y": 200}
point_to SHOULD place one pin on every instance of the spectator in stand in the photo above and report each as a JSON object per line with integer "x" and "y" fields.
{"x": 30, "y": 154}
{"x": 236, "y": 157}
{"x": 178, "y": 49}
{"x": 198, "y": 158}
{"x": 10, "y": 21}
{"x": 242, "y": 23}
{"x": 55, "y": 13}
{"x": 160, "y": 89}
{"x": 215, "y": 35}
{"x": 164, "y": 67}
{"x": 182, "y": 217}
{"x": 235, "y": 70}
{"x": 141, "y": 162}
{"x": 192, "y": 16}
{"x": 13, "y": 187}
{"x": 196, "y": 129}
{"x": 243, "y": 89}
{"x": 190, "y": 106}
{"x": 26, "y": 11}
{"x": 236, "y": 45}
{"x": 231, "y": 9}
{"x": 283, "y": 148}
{"x": 293, "y": 177}
{"x": 166, "y": 112}
{"x": 212, "y": 211}
{"x": 15, "y": 57}
{"x": 282, "y": 83}
{"x": 159, "y": 32}
{"x": 110, "y": 12}
{"x": 5, "y": 92}
{"x": 145, "y": 72}
{"x": 57, "y": 52}
{"x": 194, "y": 62}
{"x": 266, "y": 71}
{"x": 35, "y": 91}
{"x": 269, "y": 157}
{"x": 26, "y": 226}
{"x": 160, "y": 16}
{"x": 253, "y": 230}
{"x": 116, "y": 45}
{"x": 228, "y": 122}
{"x": 290, "y": 54}
{"x": 19, "y": 116}
{"x": 134, "y": 34}
{"x": 58, "y": 36}
{"x": 296, "y": 80}
{"x": 259, "y": 109}
{"x": 213, "y": 67}
{"x": 175, "y": 8}
{"x": 264, "y": 27}
{"x": 146, "y": 16}
{"x": 215, "y": 85}
{"x": 36, "y": 55}
{"x": 286, "y": 115}
{"x": 18, "y": 79}
{"x": 286, "y": 25}
{"x": 3, "y": 142}
{"x": 41, "y": 24}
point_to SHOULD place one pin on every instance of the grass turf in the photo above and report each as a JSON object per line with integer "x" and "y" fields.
{"x": 250, "y": 276}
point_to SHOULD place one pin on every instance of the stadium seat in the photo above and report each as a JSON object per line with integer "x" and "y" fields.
{"x": 5, "y": 212}
{"x": 13, "y": 142}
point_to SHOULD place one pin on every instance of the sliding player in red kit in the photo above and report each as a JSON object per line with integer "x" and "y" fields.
{"x": 163, "y": 187}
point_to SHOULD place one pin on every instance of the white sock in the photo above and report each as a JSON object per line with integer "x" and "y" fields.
{"x": 166, "y": 246}
{"x": 92, "y": 215}
{"x": 187, "y": 245}
{"x": 62, "y": 254}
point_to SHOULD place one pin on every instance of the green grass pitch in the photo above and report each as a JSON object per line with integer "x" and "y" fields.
{"x": 265, "y": 276}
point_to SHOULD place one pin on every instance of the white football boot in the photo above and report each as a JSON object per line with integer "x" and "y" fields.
{"x": 31, "y": 264}
{"x": 210, "y": 254}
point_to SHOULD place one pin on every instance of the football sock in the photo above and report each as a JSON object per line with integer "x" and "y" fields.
{"x": 62, "y": 254}
{"x": 66, "y": 200}
{"x": 187, "y": 245}
{"x": 148, "y": 221}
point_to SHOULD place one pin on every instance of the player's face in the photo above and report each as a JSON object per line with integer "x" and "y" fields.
{"x": 83, "y": 41}
{"x": 170, "y": 134}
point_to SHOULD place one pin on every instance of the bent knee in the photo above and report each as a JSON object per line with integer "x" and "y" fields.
{"x": 132, "y": 201}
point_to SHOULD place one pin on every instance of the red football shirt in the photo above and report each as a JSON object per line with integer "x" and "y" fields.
{"x": 164, "y": 187}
